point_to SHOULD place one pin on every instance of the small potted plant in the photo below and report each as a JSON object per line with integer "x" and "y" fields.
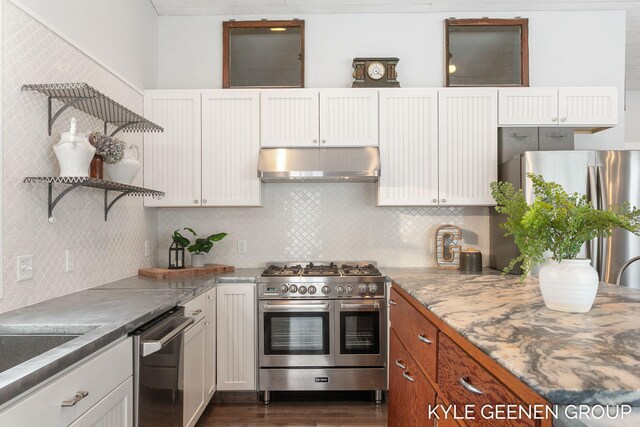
{"x": 558, "y": 223}
{"x": 199, "y": 247}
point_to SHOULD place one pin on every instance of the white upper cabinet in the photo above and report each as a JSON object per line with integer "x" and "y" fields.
{"x": 289, "y": 118}
{"x": 172, "y": 158}
{"x": 348, "y": 117}
{"x": 579, "y": 107}
{"x": 314, "y": 118}
{"x": 408, "y": 147}
{"x": 468, "y": 146}
{"x": 230, "y": 147}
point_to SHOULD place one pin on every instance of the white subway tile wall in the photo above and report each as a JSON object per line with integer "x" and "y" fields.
{"x": 330, "y": 221}
{"x": 103, "y": 251}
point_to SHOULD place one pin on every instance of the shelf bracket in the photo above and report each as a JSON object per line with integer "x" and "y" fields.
{"x": 62, "y": 109}
{"x": 124, "y": 126}
{"x": 53, "y": 202}
{"x": 108, "y": 205}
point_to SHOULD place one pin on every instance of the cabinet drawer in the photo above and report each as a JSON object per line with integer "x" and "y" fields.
{"x": 418, "y": 334}
{"x": 97, "y": 376}
{"x": 196, "y": 308}
{"x": 457, "y": 369}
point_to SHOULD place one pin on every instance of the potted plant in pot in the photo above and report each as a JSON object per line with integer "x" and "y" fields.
{"x": 199, "y": 247}
{"x": 558, "y": 223}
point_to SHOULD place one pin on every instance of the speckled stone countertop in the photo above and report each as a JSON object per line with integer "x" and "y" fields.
{"x": 100, "y": 315}
{"x": 589, "y": 358}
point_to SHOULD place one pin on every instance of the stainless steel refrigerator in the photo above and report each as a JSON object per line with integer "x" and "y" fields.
{"x": 607, "y": 178}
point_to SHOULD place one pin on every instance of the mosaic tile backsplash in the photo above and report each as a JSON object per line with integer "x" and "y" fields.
{"x": 103, "y": 251}
{"x": 336, "y": 221}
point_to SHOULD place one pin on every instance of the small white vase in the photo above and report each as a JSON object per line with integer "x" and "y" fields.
{"x": 570, "y": 285}
{"x": 197, "y": 260}
{"x": 125, "y": 170}
{"x": 74, "y": 153}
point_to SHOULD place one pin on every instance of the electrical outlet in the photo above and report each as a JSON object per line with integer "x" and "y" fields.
{"x": 147, "y": 249}
{"x": 70, "y": 262}
{"x": 242, "y": 246}
{"x": 24, "y": 268}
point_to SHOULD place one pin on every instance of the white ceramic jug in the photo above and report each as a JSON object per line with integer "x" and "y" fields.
{"x": 74, "y": 152}
{"x": 125, "y": 170}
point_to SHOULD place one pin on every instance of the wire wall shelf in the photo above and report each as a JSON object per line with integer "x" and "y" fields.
{"x": 87, "y": 99}
{"x": 102, "y": 184}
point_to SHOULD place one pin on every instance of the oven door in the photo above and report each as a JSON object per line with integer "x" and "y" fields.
{"x": 296, "y": 333}
{"x": 361, "y": 334}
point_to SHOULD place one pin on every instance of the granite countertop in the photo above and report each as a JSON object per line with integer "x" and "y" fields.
{"x": 589, "y": 358}
{"x": 100, "y": 315}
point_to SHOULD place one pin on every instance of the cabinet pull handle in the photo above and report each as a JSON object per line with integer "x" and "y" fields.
{"x": 79, "y": 396}
{"x": 554, "y": 119}
{"x": 405, "y": 374}
{"x": 392, "y": 302}
{"x": 564, "y": 119}
{"x": 472, "y": 389}
{"x": 195, "y": 313}
{"x": 400, "y": 365}
{"x": 424, "y": 339}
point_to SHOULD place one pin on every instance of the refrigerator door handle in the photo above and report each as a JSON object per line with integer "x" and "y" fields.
{"x": 603, "y": 242}
{"x": 592, "y": 185}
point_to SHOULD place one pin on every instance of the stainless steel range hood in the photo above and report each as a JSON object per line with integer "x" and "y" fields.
{"x": 319, "y": 164}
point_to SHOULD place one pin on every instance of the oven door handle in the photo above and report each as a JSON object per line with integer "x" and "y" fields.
{"x": 295, "y": 307}
{"x": 151, "y": 346}
{"x": 371, "y": 307}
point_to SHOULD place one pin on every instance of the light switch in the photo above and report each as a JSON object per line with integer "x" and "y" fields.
{"x": 242, "y": 246}
{"x": 25, "y": 268}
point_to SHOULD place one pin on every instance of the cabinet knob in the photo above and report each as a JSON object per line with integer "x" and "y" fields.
{"x": 444, "y": 200}
{"x": 564, "y": 119}
{"x": 435, "y": 200}
{"x": 324, "y": 141}
{"x": 195, "y": 201}
{"x": 315, "y": 141}
{"x": 554, "y": 119}
{"x": 204, "y": 200}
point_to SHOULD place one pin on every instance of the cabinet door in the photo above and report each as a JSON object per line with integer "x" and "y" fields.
{"x": 172, "y": 158}
{"x": 115, "y": 410}
{"x": 194, "y": 375}
{"x": 348, "y": 117}
{"x": 397, "y": 395}
{"x": 528, "y": 106}
{"x": 236, "y": 337}
{"x": 289, "y": 118}
{"x": 408, "y": 147}
{"x": 210, "y": 342}
{"x": 588, "y": 106}
{"x": 230, "y": 147}
{"x": 468, "y": 146}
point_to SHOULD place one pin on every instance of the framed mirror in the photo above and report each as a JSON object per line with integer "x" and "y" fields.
{"x": 263, "y": 54}
{"x": 487, "y": 52}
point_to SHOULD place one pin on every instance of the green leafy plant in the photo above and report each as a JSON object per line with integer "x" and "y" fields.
{"x": 556, "y": 221}
{"x": 199, "y": 245}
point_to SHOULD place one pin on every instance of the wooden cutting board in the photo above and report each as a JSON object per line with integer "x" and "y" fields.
{"x": 165, "y": 273}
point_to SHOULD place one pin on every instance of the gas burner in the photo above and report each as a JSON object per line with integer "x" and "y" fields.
{"x": 282, "y": 271}
{"x": 321, "y": 270}
{"x": 360, "y": 270}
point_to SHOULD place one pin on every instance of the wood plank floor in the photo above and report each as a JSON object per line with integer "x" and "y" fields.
{"x": 295, "y": 413}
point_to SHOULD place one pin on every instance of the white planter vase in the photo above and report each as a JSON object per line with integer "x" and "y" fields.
{"x": 570, "y": 285}
{"x": 197, "y": 260}
{"x": 74, "y": 153}
{"x": 124, "y": 171}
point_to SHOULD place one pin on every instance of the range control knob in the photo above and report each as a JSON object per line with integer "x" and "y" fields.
{"x": 293, "y": 289}
{"x": 362, "y": 288}
{"x": 372, "y": 288}
{"x": 339, "y": 289}
{"x": 302, "y": 290}
{"x": 284, "y": 289}
{"x": 349, "y": 289}
{"x": 312, "y": 290}
{"x": 326, "y": 290}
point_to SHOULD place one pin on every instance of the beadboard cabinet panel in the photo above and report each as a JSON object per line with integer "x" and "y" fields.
{"x": 528, "y": 106}
{"x": 115, "y": 410}
{"x": 408, "y": 147}
{"x": 194, "y": 391}
{"x": 172, "y": 158}
{"x": 210, "y": 351}
{"x": 289, "y": 118}
{"x": 348, "y": 117}
{"x": 588, "y": 106}
{"x": 230, "y": 147}
{"x": 236, "y": 318}
{"x": 468, "y": 146}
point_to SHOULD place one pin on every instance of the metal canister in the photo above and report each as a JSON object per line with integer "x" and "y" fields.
{"x": 471, "y": 260}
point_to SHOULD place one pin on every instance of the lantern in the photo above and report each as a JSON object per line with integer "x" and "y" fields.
{"x": 176, "y": 256}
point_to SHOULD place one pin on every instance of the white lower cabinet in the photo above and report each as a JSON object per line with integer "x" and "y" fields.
{"x": 210, "y": 343}
{"x": 194, "y": 373}
{"x": 105, "y": 381}
{"x": 236, "y": 317}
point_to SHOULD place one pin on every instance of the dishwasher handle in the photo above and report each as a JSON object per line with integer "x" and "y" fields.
{"x": 151, "y": 346}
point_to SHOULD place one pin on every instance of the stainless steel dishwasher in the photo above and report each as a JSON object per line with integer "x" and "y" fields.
{"x": 158, "y": 357}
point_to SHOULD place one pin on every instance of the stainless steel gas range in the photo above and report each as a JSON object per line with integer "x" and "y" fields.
{"x": 322, "y": 327}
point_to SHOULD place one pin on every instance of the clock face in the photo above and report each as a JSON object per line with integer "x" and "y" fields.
{"x": 375, "y": 70}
